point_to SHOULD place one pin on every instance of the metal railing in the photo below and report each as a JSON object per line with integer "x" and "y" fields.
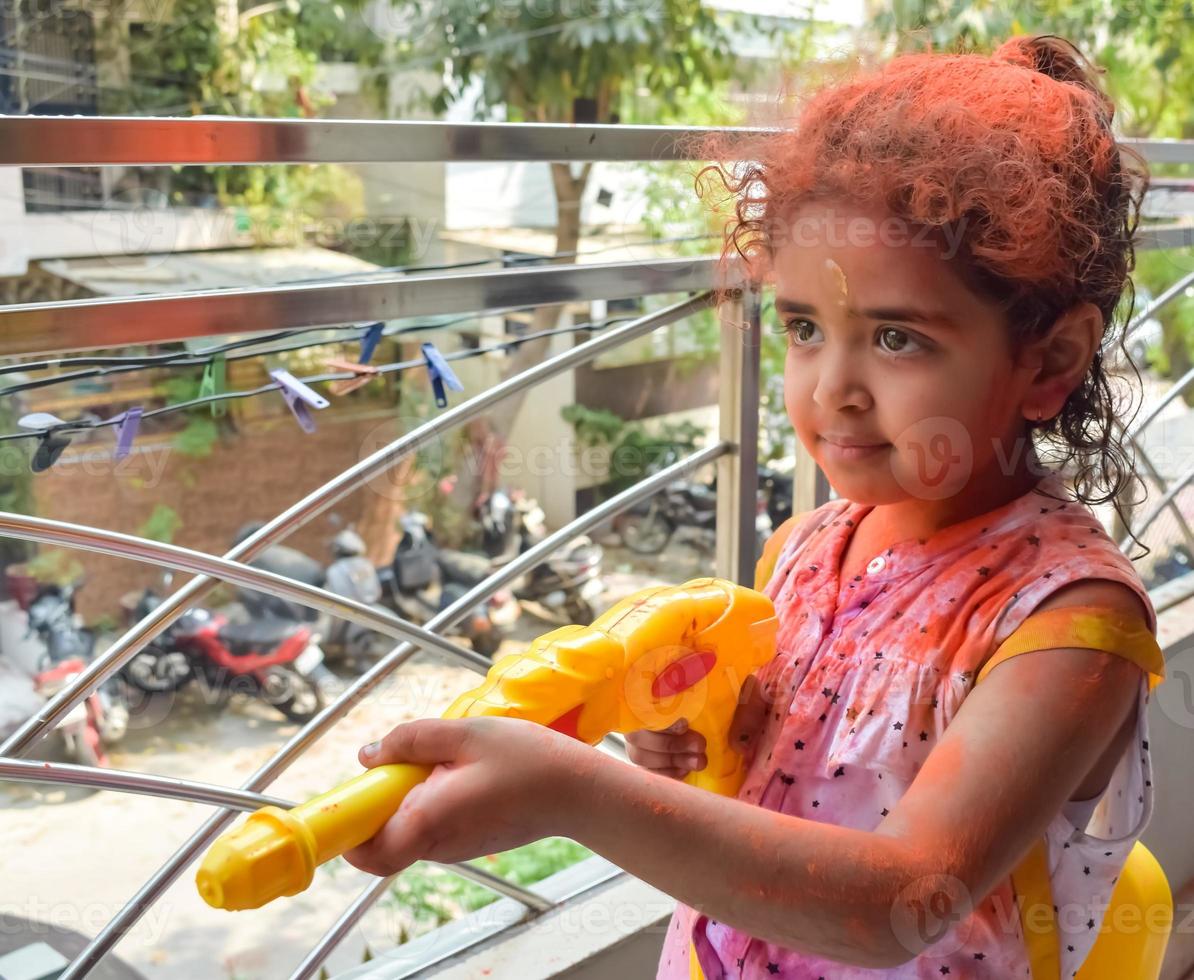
{"x": 98, "y": 323}
{"x": 90, "y": 324}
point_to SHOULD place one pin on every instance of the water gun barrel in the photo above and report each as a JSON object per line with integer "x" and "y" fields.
{"x": 653, "y": 658}
{"x": 275, "y": 852}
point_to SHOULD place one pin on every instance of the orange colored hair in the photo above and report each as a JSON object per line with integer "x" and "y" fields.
{"x": 1014, "y": 153}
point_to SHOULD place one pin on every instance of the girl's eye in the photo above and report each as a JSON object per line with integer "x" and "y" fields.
{"x": 799, "y": 331}
{"x": 897, "y": 341}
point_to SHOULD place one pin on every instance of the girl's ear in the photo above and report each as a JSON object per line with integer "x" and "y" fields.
{"x": 1060, "y": 359}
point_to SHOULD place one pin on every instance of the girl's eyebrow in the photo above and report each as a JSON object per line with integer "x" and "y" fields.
{"x": 902, "y": 314}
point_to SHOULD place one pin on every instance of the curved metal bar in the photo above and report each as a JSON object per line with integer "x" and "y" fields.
{"x": 533, "y": 900}
{"x": 1159, "y": 303}
{"x": 190, "y": 791}
{"x": 366, "y": 899}
{"x": 1176, "y": 487}
{"x": 295, "y": 516}
{"x": 335, "y": 935}
{"x": 191, "y": 849}
{"x": 103, "y": 542}
{"x": 139, "y": 783}
{"x": 1156, "y": 410}
{"x": 1182, "y": 523}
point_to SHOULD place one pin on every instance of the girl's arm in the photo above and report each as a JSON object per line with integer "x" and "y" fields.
{"x": 1019, "y": 747}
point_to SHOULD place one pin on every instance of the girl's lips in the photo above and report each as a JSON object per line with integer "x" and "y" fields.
{"x": 851, "y": 453}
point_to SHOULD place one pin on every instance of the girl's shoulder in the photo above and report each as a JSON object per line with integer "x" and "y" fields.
{"x": 789, "y": 536}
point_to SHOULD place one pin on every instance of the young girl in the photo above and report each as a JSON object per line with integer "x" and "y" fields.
{"x": 949, "y": 240}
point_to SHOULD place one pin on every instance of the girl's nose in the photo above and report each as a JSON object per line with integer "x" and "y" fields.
{"x": 840, "y": 384}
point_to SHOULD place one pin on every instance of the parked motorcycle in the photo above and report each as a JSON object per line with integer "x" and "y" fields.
{"x": 1173, "y": 564}
{"x": 102, "y": 718}
{"x": 277, "y": 660}
{"x": 566, "y": 583}
{"x": 692, "y": 506}
{"x": 423, "y": 579}
{"x": 350, "y": 574}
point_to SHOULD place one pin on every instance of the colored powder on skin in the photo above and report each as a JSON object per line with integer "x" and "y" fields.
{"x": 839, "y": 281}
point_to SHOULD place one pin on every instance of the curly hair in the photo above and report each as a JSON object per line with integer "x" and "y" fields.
{"x": 1010, "y": 155}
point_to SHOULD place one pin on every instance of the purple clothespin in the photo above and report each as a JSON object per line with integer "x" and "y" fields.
{"x": 441, "y": 374}
{"x": 298, "y": 396}
{"x": 370, "y": 341}
{"x": 130, "y": 421}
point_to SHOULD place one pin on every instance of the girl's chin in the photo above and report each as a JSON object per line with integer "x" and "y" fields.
{"x": 879, "y": 486}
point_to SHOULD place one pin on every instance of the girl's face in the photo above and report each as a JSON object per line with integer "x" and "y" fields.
{"x": 899, "y": 380}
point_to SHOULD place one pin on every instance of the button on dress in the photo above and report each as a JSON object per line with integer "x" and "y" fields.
{"x": 869, "y": 672}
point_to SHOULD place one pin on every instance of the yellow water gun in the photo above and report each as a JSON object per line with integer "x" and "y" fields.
{"x": 660, "y": 655}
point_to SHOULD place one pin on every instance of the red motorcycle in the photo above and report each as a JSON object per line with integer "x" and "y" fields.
{"x": 89, "y": 723}
{"x": 67, "y": 647}
{"x": 276, "y": 660}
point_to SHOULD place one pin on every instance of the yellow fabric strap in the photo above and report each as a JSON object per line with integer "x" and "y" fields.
{"x": 765, "y": 566}
{"x": 1089, "y": 628}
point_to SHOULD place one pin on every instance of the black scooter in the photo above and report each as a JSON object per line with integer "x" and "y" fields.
{"x": 424, "y": 579}
{"x": 566, "y": 584}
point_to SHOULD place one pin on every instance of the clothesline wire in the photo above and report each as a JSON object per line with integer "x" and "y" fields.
{"x": 122, "y": 365}
{"x": 397, "y": 367}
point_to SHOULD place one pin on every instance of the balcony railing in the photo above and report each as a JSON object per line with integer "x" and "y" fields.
{"x": 97, "y": 323}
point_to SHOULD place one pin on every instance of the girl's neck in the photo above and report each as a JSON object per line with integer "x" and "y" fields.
{"x": 986, "y": 490}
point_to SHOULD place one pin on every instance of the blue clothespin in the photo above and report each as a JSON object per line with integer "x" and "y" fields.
{"x": 298, "y": 396}
{"x": 441, "y": 374}
{"x": 130, "y": 421}
{"x": 370, "y": 341}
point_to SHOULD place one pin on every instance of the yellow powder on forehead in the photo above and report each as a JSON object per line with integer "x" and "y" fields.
{"x": 838, "y": 278}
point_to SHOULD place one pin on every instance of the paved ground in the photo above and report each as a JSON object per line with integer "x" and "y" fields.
{"x": 73, "y": 857}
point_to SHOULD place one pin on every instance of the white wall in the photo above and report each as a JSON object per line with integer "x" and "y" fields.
{"x": 14, "y": 257}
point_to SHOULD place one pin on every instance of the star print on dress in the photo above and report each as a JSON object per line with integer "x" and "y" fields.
{"x": 890, "y": 677}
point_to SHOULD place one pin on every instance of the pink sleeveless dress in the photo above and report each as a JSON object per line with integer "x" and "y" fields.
{"x": 868, "y": 674}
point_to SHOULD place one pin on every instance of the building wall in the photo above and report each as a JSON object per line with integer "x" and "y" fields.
{"x": 253, "y": 475}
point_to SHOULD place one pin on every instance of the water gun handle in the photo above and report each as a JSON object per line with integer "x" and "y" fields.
{"x": 653, "y": 658}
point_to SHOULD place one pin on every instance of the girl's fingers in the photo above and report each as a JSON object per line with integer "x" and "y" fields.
{"x": 427, "y": 742}
{"x": 665, "y": 742}
{"x": 657, "y": 761}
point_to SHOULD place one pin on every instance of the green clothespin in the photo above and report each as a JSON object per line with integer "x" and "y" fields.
{"x": 213, "y": 383}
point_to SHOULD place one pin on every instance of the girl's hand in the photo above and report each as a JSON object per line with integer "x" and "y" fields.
{"x": 677, "y": 751}
{"x": 674, "y": 751}
{"x": 498, "y": 783}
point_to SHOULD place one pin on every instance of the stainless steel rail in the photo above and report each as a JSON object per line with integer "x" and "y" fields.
{"x": 139, "y": 783}
{"x": 103, "y": 542}
{"x": 87, "y": 324}
{"x": 51, "y": 141}
{"x": 76, "y": 141}
{"x": 187, "y": 790}
{"x": 168, "y": 873}
{"x": 320, "y": 500}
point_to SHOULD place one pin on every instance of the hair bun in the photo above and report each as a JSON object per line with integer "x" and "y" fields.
{"x": 1059, "y": 59}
